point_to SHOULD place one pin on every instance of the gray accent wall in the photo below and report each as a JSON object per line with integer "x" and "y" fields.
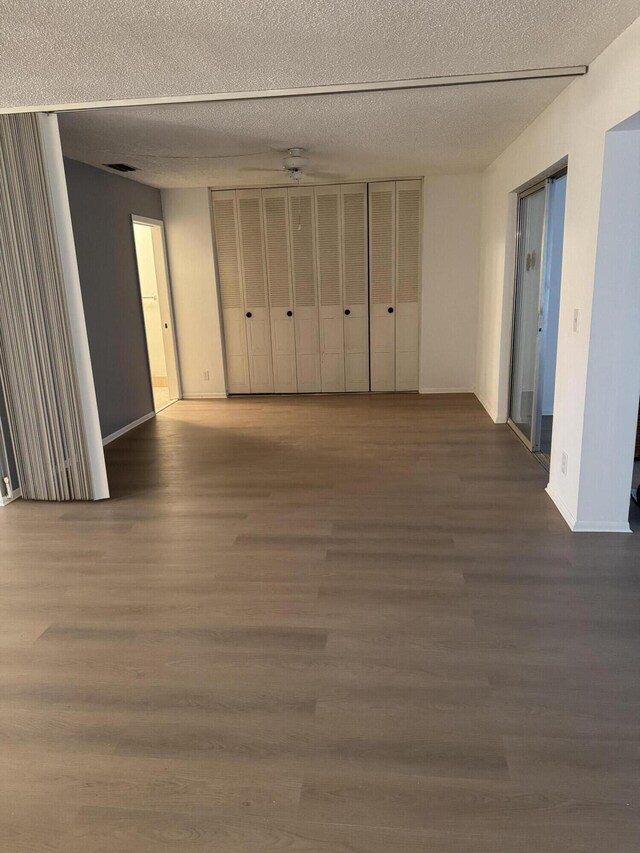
{"x": 101, "y": 208}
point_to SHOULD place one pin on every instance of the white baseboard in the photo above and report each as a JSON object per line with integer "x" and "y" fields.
{"x": 445, "y": 390}
{"x": 602, "y": 527}
{"x": 15, "y": 494}
{"x": 488, "y": 409}
{"x": 112, "y": 437}
{"x": 585, "y": 526}
{"x": 218, "y": 395}
{"x": 564, "y": 511}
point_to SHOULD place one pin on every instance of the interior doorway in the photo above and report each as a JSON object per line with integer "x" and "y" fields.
{"x": 157, "y": 310}
{"x": 536, "y": 310}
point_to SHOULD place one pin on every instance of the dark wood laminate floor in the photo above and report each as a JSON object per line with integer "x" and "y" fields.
{"x": 320, "y": 625}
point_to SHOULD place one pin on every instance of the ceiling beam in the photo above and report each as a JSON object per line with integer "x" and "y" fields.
{"x": 307, "y": 91}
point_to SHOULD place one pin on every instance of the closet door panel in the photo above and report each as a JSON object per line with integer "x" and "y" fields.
{"x": 257, "y": 320}
{"x": 382, "y": 285}
{"x": 356, "y": 344}
{"x": 236, "y": 352}
{"x": 329, "y": 274}
{"x": 284, "y": 363}
{"x": 260, "y": 357}
{"x": 355, "y": 286}
{"x": 277, "y": 250}
{"x": 408, "y": 246}
{"x": 407, "y": 347}
{"x": 383, "y": 354}
{"x": 225, "y": 224}
{"x": 305, "y": 293}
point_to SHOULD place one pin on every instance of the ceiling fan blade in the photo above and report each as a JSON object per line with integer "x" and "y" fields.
{"x": 203, "y": 156}
{"x": 328, "y": 176}
{"x": 259, "y": 169}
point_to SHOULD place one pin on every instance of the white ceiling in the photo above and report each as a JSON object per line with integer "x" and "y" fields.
{"x": 82, "y": 50}
{"x": 61, "y": 51}
{"x": 348, "y": 137}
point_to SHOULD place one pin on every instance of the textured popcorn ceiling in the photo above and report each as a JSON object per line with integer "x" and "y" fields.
{"x": 348, "y": 137}
{"x": 61, "y": 51}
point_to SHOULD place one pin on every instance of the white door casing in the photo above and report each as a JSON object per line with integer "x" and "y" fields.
{"x": 165, "y": 301}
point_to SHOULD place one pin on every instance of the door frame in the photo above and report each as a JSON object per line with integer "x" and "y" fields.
{"x": 532, "y": 444}
{"x": 543, "y": 313}
{"x": 164, "y": 283}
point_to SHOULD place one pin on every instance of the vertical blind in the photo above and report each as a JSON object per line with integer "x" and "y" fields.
{"x": 37, "y": 367}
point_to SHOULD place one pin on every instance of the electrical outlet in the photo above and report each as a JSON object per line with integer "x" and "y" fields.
{"x": 565, "y": 462}
{"x": 576, "y": 319}
{"x": 205, "y": 375}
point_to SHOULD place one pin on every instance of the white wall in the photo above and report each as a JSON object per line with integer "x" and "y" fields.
{"x": 193, "y": 281}
{"x": 574, "y": 125}
{"x": 613, "y": 375}
{"x": 450, "y": 272}
{"x": 451, "y": 251}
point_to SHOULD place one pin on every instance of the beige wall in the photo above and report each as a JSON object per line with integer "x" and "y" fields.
{"x": 450, "y": 270}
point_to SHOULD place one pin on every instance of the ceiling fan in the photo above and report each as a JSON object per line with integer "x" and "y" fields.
{"x": 296, "y": 165}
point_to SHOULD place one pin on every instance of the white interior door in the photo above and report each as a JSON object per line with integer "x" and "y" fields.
{"x": 157, "y": 321}
{"x": 329, "y": 266}
{"x": 283, "y": 345}
{"x": 355, "y": 280}
{"x": 408, "y": 245}
{"x": 305, "y": 294}
{"x": 156, "y": 227}
{"x": 382, "y": 232}
{"x": 231, "y": 291}
{"x": 256, "y": 303}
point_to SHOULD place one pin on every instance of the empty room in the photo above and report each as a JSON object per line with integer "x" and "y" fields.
{"x": 319, "y": 433}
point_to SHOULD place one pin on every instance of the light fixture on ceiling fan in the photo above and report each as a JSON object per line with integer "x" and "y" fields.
{"x": 294, "y": 164}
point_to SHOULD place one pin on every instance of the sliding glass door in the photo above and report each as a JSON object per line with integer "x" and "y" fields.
{"x": 535, "y": 313}
{"x": 524, "y": 358}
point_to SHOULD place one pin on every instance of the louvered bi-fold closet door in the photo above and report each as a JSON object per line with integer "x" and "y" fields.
{"x": 225, "y": 223}
{"x": 283, "y": 346}
{"x": 408, "y": 245}
{"x": 305, "y": 294}
{"x": 355, "y": 286}
{"x": 330, "y": 307}
{"x": 382, "y": 296}
{"x": 256, "y": 300}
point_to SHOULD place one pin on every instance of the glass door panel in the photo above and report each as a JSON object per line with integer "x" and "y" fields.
{"x": 522, "y": 400}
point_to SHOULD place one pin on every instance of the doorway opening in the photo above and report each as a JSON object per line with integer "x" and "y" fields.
{"x": 535, "y": 314}
{"x": 634, "y": 512}
{"x": 157, "y": 312}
